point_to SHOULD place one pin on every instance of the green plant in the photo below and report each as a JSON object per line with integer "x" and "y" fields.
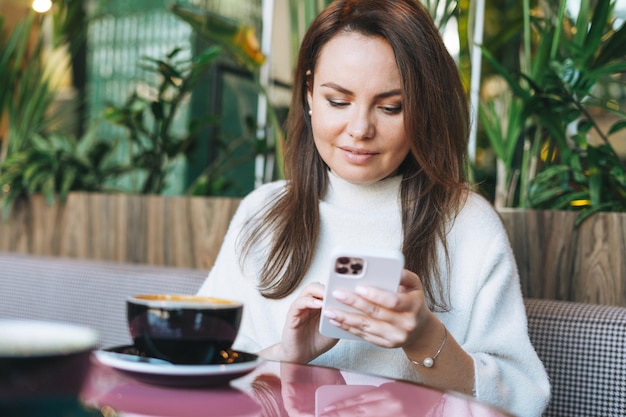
{"x": 301, "y": 14}
{"x": 231, "y": 152}
{"x": 544, "y": 146}
{"x": 56, "y": 164}
{"x": 26, "y": 91}
{"x": 442, "y": 11}
{"x": 240, "y": 43}
{"x": 31, "y": 159}
{"x": 154, "y": 146}
{"x": 149, "y": 118}
{"x": 40, "y": 161}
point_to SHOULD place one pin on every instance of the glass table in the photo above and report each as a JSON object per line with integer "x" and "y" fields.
{"x": 248, "y": 387}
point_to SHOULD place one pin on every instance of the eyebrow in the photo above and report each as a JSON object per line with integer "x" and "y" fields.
{"x": 342, "y": 90}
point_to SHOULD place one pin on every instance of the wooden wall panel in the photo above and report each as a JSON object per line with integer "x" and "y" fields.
{"x": 556, "y": 261}
{"x": 174, "y": 231}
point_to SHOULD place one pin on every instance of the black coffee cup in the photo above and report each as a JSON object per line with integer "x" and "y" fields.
{"x": 183, "y": 329}
{"x": 41, "y": 361}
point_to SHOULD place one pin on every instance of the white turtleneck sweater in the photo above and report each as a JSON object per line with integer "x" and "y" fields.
{"x": 487, "y": 315}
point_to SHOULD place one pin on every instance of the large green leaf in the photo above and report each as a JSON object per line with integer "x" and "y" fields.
{"x": 597, "y": 27}
{"x": 612, "y": 48}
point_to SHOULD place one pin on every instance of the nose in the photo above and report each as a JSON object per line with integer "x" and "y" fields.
{"x": 360, "y": 125}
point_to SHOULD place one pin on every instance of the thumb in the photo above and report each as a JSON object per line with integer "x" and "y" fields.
{"x": 409, "y": 281}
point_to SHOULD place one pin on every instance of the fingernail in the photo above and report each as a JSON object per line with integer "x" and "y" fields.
{"x": 340, "y": 295}
{"x": 318, "y": 302}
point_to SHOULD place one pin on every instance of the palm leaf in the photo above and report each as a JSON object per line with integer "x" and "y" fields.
{"x": 598, "y": 24}
{"x": 612, "y": 49}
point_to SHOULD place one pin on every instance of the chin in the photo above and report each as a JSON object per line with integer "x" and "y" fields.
{"x": 357, "y": 179}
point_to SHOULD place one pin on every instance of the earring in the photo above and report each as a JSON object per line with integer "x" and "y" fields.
{"x": 310, "y": 112}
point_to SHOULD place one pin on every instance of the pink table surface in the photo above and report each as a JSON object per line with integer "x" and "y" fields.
{"x": 276, "y": 389}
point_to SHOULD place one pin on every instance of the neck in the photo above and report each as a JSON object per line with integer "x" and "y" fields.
{"x": 380, "y": 195}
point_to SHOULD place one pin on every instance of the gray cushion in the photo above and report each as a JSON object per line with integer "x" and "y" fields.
{"x": 91, "y": 293}
{"x": 583, "y": 347}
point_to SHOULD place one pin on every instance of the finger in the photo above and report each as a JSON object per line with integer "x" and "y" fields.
{"x": 303, "y": 307}
{"x": 363, "y": 326}
{"x": 305, "y": 301}
{"x": 379, "y": 332}
{"x": 376, "y": 303}
{"x": 358, "y": 302}
{"x": 369, "y": 299}
{"x": 315, "y": 289}
{"x": 409, "y": 281}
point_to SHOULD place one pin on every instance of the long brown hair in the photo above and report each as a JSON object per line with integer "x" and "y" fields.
{"x": 436, "y": 121}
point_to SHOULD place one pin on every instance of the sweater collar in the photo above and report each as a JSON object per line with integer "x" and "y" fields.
{"x": 384, "y": 194}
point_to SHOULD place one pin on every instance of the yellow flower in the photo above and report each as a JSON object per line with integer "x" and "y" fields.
{"x": 580, "y": 203}
{"x": 546, "y": 154}
{"x": 237, "y": 38}
{"x": 246, "y": 40}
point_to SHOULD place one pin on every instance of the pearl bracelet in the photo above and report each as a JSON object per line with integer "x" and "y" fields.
{"x": 430, "y": 362}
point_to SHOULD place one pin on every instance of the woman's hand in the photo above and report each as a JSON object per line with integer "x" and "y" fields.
{"x": 404, "y": 320}
{"x": 301, "y": 341}
{"x": 385, "y": 318}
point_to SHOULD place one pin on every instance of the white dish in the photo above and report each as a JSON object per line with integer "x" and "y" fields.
{"x": 35, "y": 338}
{"x": 159, "y": 372}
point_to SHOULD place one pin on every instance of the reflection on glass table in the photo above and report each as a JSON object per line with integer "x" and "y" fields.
{"x": 273, "y": 389}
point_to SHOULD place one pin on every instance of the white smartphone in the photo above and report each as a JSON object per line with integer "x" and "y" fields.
{"x": 350, "y": 267}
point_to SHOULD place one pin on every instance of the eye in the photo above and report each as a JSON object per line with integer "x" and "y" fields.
{"x": 337, "y": 103}
{"x": 392, "y": 109}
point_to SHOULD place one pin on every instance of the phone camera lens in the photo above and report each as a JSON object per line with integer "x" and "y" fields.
{"x": 344, "y": 260}
{"x": 356, "y": 268}
{"x": 342, "y": 270}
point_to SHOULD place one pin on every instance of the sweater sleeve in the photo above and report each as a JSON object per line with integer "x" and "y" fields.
{"x": 508, "y": 372}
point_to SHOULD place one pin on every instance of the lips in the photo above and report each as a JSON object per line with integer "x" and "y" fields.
{"x": 357, "y": 156}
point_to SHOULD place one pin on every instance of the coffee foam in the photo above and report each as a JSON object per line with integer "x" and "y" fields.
{"x": 164, "y": 300}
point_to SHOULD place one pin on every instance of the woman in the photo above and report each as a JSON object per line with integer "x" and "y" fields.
{"x": 376, "y": 156}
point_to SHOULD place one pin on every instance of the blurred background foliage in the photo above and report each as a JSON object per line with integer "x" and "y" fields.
{"x": 554, "y": 115}
{"x": 137, "y": 141}
{"x": 163, "y": 98}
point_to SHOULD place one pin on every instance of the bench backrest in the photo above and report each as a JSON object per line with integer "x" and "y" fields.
{"x": 85, "y": 292}
{"x": 583, "y": 347}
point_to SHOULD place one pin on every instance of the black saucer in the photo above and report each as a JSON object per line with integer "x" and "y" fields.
{"x": 231, "y": 364}
{"x": 225, "y": 357}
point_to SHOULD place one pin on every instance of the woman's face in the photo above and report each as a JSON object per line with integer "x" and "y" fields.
{"x": 357, "y": 113}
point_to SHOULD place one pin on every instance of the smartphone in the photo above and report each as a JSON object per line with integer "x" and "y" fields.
{"x": 350, "y": 267}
